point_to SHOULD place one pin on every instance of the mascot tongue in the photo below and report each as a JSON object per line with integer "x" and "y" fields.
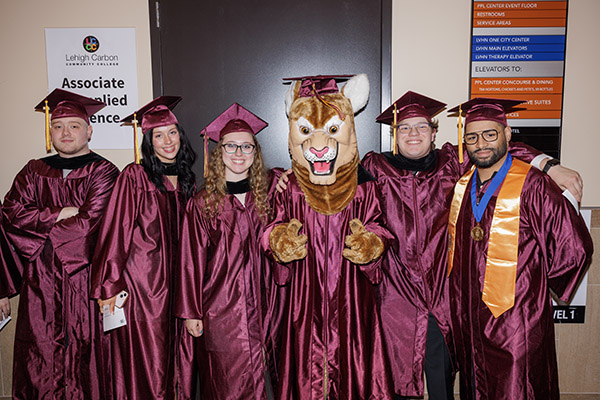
{"x": 317, "y": 100}
{"x": 329, "y": 199}
{"x": 322, "y": 167}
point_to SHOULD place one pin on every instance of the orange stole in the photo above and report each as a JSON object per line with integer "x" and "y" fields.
{"x": 503, "y": 247}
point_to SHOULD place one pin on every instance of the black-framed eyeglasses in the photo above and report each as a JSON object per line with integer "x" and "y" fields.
{"x": 231, "y": 148}
{"x": 489, "y": 135}
{"x": 421, "y": 127}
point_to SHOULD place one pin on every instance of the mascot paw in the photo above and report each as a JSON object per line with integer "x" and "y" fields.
{"x": 286, "y": 244}
{"x": 363, "y": 246}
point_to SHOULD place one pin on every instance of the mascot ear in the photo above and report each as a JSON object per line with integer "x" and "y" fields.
{"x": 357, "y": 90}
{"x": 291, "y": 95}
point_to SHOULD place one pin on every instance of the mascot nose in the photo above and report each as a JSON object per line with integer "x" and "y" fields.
{"x": 319, "y": 153}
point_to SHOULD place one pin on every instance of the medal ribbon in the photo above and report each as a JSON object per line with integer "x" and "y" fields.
{"x": 503, "y": 247}
{"x": 479, "y": 209}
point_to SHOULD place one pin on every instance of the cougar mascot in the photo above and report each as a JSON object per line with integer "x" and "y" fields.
{"x": 327, "y": 240}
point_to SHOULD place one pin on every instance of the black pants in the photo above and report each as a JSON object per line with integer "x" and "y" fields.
{"x": 438, "y": 367}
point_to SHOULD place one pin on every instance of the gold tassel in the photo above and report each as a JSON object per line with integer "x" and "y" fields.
{"x": 48, "y": 141}
{"x": 136, "y": 150}
{"x": 205, "y": 154}
{"x": 395, "y": 128}
{"x": 328, "y": 104}
{"x": 460, "y": 138}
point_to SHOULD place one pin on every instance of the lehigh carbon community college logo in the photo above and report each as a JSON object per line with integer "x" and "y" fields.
{"x": 91, "y": 44}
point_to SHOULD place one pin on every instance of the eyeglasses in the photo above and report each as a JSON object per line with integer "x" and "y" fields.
{"x": 422, "y": 127}
{"x": 489, "y": 135}
{"x": 231, "y": 148}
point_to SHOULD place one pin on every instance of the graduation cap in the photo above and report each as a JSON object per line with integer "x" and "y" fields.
{"x": 154, "y": 114}
{"x": 312, "y": 86}
{"x": 62, "y": 104}
{"x": 482, "y": 109}
{"x": 486, "y": 109}
{"x": 410, "y": 105}
{"x": 318, "y": 85}
{"x": 235, "y": 119}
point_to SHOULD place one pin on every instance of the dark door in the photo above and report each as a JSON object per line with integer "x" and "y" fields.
{"x": 214, "y": 53}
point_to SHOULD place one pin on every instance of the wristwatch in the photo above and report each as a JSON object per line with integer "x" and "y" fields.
{"x": 549, "y": 164}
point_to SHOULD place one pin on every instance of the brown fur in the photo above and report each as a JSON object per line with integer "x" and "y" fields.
{"x": 329, "y": 199}
{"x": 362, "y": 246}
{"x": 316, "y": 112}
{"x": 287, "y": 245}
{"x": 326, "y": 194}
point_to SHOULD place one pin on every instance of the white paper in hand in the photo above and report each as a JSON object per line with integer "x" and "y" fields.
{"x": 112, "y": 321}
{"x": 4, "y": 321}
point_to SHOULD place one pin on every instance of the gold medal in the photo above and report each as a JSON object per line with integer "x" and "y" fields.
{"x": 477, "y": 233}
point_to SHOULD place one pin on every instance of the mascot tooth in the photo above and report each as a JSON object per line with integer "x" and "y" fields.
{"x": 327, "y": 239}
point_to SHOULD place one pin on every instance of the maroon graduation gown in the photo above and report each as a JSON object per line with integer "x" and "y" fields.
{"x": 331, "y": 340}
{"x": 11, "y": 268}
{"x": 513, "y": 356}
{"x": 58, "y": 334}
{"x": 416, "y": 211}
{"x": 224, "y": 280}
{"x": 136, "y": 252}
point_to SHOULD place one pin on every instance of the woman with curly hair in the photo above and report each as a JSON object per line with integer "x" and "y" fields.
{"x": 136, "y": 254}
{"x": 224, "y": 283}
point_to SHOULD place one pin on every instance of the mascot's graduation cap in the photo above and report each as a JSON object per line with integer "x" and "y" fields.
{"x": 235, "y": 119}
{"x": 482, "y": 109}
{"x": 154, "y": 114}
{"x": 62, "y": 104}
{"x": 410, "y": 105}
{"x": 312, "y": 86}
{"x": 319, "y": 85}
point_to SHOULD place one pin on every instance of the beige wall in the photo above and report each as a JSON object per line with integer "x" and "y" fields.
{"x": 430, "y": 55}
{"x": 23, "y": 75}
{"x": 24, "y": 82}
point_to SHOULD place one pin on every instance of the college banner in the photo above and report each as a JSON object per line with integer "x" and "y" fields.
{"x": 98, "y": 63}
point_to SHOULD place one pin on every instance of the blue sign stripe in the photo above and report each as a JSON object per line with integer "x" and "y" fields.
{"x": 518, "y": 56}
{"x": 518, "y": 48}
{"x": 533, "y": 39}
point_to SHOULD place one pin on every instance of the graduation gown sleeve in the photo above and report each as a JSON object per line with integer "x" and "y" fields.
{"x": 193, "y": 256}
{"x": 32, "y": 221}
{"x": 28, "y": 222}
{"x": 11, "y": 269}
{"x": 115, "y": 239}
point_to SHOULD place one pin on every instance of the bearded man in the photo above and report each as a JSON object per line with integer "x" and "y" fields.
{"x": 513, "y": 238}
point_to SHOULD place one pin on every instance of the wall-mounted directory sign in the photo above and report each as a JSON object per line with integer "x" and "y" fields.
{"x": 518, "y": 52}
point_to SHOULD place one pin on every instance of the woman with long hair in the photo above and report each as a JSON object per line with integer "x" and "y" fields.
{"x": 224, "y": 283}
{"x": 136, "y": 255}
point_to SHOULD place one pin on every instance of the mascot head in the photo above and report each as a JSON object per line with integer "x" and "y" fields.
{"x": 322, "y": 138}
